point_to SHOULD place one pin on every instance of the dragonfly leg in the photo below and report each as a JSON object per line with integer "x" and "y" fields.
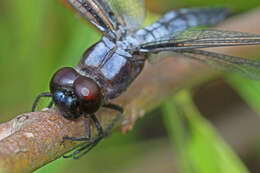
{"x": 88, "y": 132}
{"x": 115, "y": 120}
{"x": 36, "y": 101}
{"x": 50, "y": 104}
{"x": 92, "y": 143}
{"x": 87, "y": 147}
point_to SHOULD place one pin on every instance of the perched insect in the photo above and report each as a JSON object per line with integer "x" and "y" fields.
{"x": 110, "y": 66}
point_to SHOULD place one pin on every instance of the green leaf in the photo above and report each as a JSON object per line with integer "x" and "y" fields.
{"x": 248, "y": 89}
{"x": 199, "y": 147}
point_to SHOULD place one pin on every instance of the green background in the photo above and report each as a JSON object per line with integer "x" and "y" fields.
{"x": 38, "y": 37}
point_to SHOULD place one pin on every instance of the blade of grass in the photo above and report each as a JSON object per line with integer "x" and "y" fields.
{"x": 176, "y": 130}
{"x": 199, "y": 147}
{"x": 248, "y": 89}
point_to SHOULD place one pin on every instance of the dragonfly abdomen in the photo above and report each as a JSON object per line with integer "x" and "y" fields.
{"x": 176, "y": 21}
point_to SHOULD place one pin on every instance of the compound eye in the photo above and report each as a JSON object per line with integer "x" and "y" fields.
{"x": 89, "y": 94}
{"x": 67, "y": 104}
{"x": 63, "y": 77}
{"x": 59, "y": 97}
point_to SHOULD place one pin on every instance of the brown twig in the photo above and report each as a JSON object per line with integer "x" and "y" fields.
{"x": 32, "y": 140}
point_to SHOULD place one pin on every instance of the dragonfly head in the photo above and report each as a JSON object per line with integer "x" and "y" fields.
{"x": 74, "y": 94}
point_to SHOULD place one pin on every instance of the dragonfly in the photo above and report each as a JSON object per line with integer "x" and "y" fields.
{"x": 109, "y": 66}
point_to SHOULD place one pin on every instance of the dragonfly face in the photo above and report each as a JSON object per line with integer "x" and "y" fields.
{"x": 74, "y": 94}
{"x": 108, "y": 67}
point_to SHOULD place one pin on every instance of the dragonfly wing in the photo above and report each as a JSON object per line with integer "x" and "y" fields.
{"x": 187, "y": 42}
{"x": 110, "y": 15}
{"x": 176, "y": 21}
{"x": 241, "y": 66}
{"x": 130, "y": 13}
{"x": 193, "y": 39}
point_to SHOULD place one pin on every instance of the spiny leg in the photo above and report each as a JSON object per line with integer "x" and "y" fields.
{"x": 76, "y": 154}
{"x": 97, "y": 124}
{"x": 118, "y": 116}
{"x": 88, "y": 132}
{"x": 91, "y": 143}
{"x": 36, "y": 101}
{"x": 50, "y": 104}
{"x": 87, "y": 147}
{"x": 88, "y": 136}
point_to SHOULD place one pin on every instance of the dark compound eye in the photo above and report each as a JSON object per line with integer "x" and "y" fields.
{"x": 59, "y": 97}
{"x": 63, "y": 77}
{"x": 62, "y": 88}
{"x": 89, "y": 94}
{"x": 67, "y": 104}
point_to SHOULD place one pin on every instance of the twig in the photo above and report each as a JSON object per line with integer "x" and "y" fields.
{"x": 32, "y": 140}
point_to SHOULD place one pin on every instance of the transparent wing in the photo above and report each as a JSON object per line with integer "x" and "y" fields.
{"x": 130, "y": 13}
{"x": 193, "y": 39}
{"x": 109, "y": 15}
{"x": 241, "y": 66}
{"x": 97, "y": 14}
{"x": 186, "y": 43}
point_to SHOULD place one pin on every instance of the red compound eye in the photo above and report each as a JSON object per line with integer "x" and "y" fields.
{"x": 89, "y": 94}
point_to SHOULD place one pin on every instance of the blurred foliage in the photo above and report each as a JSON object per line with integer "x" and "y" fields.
{"x": 38, "y": 37}
{"x": 236, "y": 6}
{"x": 248, "y": 89}
{"x": 199, "y": 147}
